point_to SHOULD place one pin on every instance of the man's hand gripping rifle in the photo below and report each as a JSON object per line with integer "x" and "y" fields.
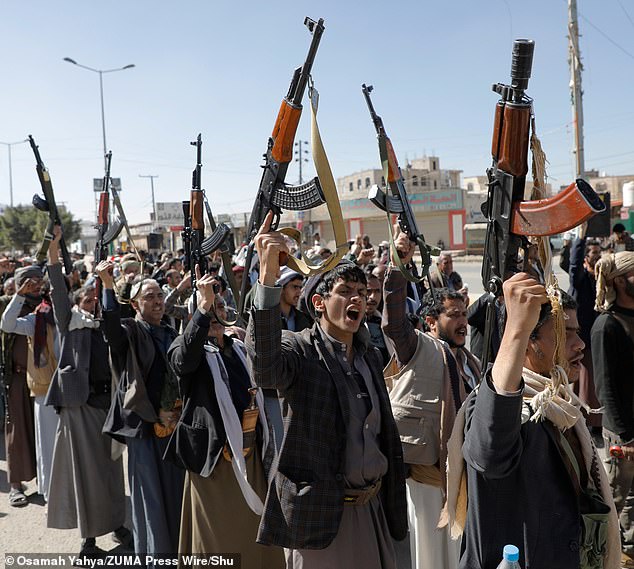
{"x": 510, "y": 219}
{"x": 196, "y": 246}
{"x": 274, "y": 194}
{"x": 47, "y": 204}
{"x": 396, "y": 202}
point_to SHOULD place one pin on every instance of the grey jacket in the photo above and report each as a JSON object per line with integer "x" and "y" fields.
{"x": 69, "y": 386}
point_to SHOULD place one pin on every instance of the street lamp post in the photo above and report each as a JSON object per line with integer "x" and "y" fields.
{"x": 103, "y": 115}
{"x": 9, "y": 145}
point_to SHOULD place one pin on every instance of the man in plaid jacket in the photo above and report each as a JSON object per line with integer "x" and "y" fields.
{"x": 337, "y": 492}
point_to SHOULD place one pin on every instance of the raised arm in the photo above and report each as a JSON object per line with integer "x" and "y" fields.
{"x": 11, "y": 321}
{"x": 396, "y": 325}
{"x": 274, "y": 361}
{"x": 59, "y": 291}
{"x": 115, "y": 333}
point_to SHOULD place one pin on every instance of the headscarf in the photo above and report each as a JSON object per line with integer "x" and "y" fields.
{"x": 24, "y": 273}
{"x": 607, "y": 269}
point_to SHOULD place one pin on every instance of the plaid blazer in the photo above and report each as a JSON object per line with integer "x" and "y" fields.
{"x": 304, "y": 503}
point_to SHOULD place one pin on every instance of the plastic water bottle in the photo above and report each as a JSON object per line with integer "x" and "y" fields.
{"x": 510, "y": 560}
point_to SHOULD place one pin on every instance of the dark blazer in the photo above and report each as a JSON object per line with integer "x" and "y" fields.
{"x": 304, "y": 504}
{"x": 519, "y": 489}
{"x": 583, "y": 288}
{"x": 200, "y": 433}
{"x": 70, "y": 385}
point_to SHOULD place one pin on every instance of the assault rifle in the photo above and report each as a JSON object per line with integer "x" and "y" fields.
{"x": 106, "y": 232}
{"x": 47, "y": 204}
{"x": 274, "y": 194}
{"x": 396, "y": 202}
{"x": 510, "y": 220}
{"x": 196, "y": 246}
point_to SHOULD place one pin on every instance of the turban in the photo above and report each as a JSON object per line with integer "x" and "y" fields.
{"x": 31, "y": 272}
{"x": 607, "y": 268}
{"x": 286, "y": 276}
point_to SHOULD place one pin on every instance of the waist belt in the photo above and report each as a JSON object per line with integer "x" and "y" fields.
{"x": 361, "y": 496}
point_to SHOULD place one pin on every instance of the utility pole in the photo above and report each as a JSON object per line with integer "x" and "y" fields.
{"x": 151, "y": 177}
{"x": 300, "y": 158}
{"x": 576, "y": 93}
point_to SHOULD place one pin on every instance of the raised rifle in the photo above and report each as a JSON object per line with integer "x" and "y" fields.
{"x": 196, "y": 246}
{"x": 106, "y": 232}
{"x": 397, "y": 202}
{"x": 510, "y": 219}
{"x": 274, "y": 194}
{"x": 47, "y": 204}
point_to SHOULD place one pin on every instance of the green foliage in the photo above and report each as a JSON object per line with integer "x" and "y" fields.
{"x": 22, "y": 228}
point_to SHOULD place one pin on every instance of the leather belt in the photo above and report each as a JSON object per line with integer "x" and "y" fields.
{"x": 361, "y": 496}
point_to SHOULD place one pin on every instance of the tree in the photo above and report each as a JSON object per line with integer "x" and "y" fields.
{"x": 22, "y": 227}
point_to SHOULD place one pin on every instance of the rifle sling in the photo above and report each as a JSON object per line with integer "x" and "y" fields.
{"x": 324, "y": 173}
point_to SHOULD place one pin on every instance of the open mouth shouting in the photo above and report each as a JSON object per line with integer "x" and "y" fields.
{"x": 353, "y": 314}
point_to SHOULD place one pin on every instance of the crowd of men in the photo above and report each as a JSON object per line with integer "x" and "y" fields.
{"x": 342, "y": 423}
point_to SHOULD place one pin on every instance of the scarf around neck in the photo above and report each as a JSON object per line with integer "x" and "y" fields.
{"x": 564, "y": 411}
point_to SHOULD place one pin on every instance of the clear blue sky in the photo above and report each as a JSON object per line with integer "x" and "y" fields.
{"x": 221, "y": 68}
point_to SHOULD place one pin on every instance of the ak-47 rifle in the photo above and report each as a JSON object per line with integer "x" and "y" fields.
{"x": 396, "y": 202}
{"x": 510, "y": 219}
{"x": 47, "y": 204}
{"x": 196, "y": 246}
{"x": 274, "y": 194}
{"x": 106, "y": 232}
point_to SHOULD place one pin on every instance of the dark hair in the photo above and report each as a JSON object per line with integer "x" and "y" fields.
{"x": 173, "y": 262}
{"x": 567, "y": 303}
{"x": 434, "y": 307}
{"x": 81, "y": 292}
{"x": 346, "y": 271}
{"x": 593, "y": 243}
{"x": 222, "y": 281}
{"x": 618, "y": 228}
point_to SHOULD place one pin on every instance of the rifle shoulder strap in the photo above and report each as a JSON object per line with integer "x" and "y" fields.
{"x": 327, "y": 181}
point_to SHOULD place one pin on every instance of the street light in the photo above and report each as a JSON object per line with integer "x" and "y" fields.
{"x": 103, "y": 117}
{"x": 9, "y": 145}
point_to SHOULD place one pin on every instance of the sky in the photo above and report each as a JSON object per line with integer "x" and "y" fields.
{"x": 221, "y": 68}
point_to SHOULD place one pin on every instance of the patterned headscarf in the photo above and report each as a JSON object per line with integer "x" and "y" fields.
{"x": 607, "y": 268}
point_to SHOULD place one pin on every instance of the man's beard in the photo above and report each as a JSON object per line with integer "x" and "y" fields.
{"x": 629, "y": 288}
{"x": 445, "y": 338}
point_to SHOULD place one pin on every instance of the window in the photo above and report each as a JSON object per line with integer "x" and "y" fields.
{"x": 414, "y": 180}
{"x": 469, "y": 187}
{"x": 351, "y": 187}
{"x": 367, "y": 183}
{"x": 423, "y": 181}
{"x": 433, "y": 164}
{"x": 359, "y": 184}
{"x": 435, "y": 184}
{"x": 383, "y": 180}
